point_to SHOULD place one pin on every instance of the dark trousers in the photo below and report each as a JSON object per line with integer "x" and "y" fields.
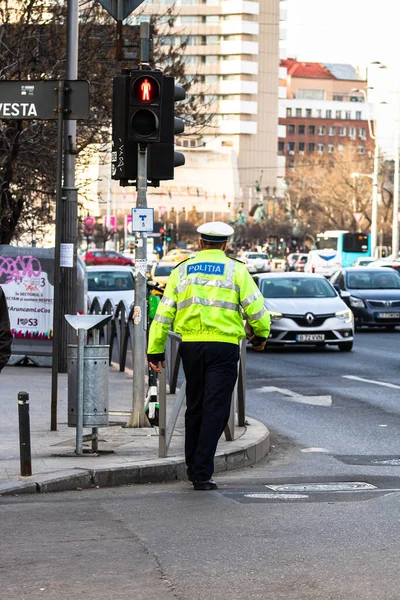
{"x": 211, "y": 372}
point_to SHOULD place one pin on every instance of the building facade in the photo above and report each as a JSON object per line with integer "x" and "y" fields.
{"x": 324, "y": 111}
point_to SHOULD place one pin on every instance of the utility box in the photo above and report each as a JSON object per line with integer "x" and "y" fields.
{"x": 95, "y": 385}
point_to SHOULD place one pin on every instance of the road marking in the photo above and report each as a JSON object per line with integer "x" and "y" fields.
{"x": 273, "y": 496}
{"x": 295, "y": 397}
{"x": 382, "y": 383}
{"x": 305, "y": 450}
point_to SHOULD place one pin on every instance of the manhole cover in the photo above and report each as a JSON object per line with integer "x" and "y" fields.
{"x": 272, "y": 496}
{"x": 337, "y": 486}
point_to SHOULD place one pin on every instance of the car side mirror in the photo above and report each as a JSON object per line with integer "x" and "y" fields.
{"x": 344, "y": 294}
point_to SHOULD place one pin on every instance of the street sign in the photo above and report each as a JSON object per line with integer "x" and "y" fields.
{"x": 357, "y": 216}
{"x": 37, "y": 99}
{"x": 128, "y": 6}
{"x": 142, "y": 219}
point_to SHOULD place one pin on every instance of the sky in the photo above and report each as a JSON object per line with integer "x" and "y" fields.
{"x": 344, "y": 31}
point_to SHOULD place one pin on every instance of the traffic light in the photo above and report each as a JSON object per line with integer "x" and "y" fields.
{"x": 169, "y": 235}
{"x": 162, "y": 235}
{"x": 145, "y": 100}
{"x": 143, "y": 113}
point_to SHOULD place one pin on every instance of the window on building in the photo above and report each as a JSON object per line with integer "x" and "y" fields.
{"x": 320, "y": 148}
{"x": 302, "y": 129}
{"x": 281, "y": 147}
{"x": 311, "y": 130}
{"x": 340, "y": 148}
{"x": 288, "y": 112}
{"x": 291, "y": 129}
{"x": 311, "y": 147}
{"x": 301, "y": 146}
{"x": 169, "y": 40}
{"x": 298, "y": 112}
{"x": 338, "y": 114}
{"x": 332, "y": 131}
{"x": 331, "y": 148}
{"x": 361, "y": 149}
{"x": 212, "y": 19}
{"x": 308, "y": 112}
{"x": 192, "y": 20}
{"x": 212, "y": 59}
{"x": 319, "y": 113}
{"x": 190, "y": 40}
{"x": 311, "y": 94}
{"x": 358, "y": 115}
{"x": 342, "y": 131}
{"x": 349, "y": 114}
{"x": 338, "y": 97}
{"x": 211, "y": 79}
{"x": 328, "y": 114}
{"x": 291, "y": 146}
{"x": 212, "y": 40}
{"x": 362, "y": 133}
{"x": 321, "y": 130}
{"x": 352, "y": 133}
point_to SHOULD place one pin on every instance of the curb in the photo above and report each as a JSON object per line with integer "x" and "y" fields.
{"x": 243, "y": 454}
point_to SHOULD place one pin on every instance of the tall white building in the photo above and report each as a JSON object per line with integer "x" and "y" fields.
{"x": 233, "y": 46}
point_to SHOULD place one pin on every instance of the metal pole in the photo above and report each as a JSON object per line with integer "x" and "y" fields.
{"x": 24, "y": 434}
{"x": 374, "y": 215}
{"x": 68, "y": 282}
{"x": 138, "y": 416}
{"x": 395, "y": 227}
{"x": 56, "y": 303}
{"x": 144, "y": 44}
{"x": 81, "y": 374}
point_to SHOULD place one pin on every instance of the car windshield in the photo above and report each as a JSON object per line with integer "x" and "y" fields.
{"x": 373, "y": 280}
{"x": 291, "y": 287}
{"x": 110, "y": 281}
{"x": 163, "y": 271}
{"x": 253, "y": 255}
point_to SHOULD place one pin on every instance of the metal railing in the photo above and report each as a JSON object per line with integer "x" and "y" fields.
{"x": 118, "y": 334}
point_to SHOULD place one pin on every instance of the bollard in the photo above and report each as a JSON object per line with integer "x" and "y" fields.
{"x": 24, "y": 434}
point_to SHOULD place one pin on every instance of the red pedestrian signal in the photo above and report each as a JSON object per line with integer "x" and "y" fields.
{"x": 146, "y": 89}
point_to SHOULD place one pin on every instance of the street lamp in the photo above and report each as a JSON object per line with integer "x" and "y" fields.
{"x": 374, "y": 215}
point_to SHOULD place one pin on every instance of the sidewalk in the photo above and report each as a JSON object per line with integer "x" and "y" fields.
{"x": 133, "y": 456}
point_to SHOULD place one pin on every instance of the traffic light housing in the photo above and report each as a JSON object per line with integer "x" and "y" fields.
{"x": 145, "y": 100}
{"x": 169, "y": 235}
{"x": 143, "y": 112}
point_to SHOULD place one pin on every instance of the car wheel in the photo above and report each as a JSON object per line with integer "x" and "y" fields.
{"x": 346, "y": 346}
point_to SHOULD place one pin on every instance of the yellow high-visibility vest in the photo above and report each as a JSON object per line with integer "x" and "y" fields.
{"x": 205, "y": 298}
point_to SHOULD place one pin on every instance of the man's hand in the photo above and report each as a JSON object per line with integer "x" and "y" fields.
{"x": 257, "y": 344}
{"x": 155, "y": 366}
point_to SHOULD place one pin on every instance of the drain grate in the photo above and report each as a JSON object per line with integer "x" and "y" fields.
{"x": 330, "y": 486}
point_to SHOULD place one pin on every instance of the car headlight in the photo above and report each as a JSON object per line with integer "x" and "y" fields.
{"x": 356, "y": 302}
{"x": 275, "y": 316}
{"x": 346, "y": 315}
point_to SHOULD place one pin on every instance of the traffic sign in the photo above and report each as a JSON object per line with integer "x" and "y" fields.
{"x": 37, "y": 99}
{"x": 128, "y": 6}
{"x": 142, "y": 219}
{"x": 357, "y": 216}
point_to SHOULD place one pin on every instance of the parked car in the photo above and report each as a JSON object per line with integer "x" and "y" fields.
{"x": 301, "y": 263}
{"x": 374, "y": 295}
{"x": 161, "y": 271}
{"x": 106, "y": 257}
{"x": 306, "y": 309}
{"x": 111, "y": 282}
{"x": 291, "y": 261}
{"x": 257, "y": 262}
{"x": 386, "y": 262}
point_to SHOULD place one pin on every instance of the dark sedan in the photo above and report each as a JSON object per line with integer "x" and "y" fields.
{"x": 374, "y": 295}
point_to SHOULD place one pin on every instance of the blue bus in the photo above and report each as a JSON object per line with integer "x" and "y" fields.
{"x": 349, "y": 245}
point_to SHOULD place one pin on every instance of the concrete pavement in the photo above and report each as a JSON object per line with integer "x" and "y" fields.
{"x": 130, "y": 455}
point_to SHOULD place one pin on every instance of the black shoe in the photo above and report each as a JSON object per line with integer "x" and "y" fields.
{"x": 205, "y": 485}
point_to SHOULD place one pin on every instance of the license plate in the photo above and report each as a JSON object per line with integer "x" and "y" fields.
{"x": 388, "y": 315}
{"x": 310, "y": 337}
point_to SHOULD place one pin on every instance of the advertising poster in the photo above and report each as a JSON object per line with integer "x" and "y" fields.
{"x": 27, "y": 281}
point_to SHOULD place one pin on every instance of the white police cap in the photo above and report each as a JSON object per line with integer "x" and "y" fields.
{"x": 215, "y": 231}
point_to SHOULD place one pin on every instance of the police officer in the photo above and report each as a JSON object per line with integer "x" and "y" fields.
{"x": 205, "y": 298}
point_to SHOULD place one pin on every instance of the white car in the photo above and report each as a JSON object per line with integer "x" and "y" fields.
{"x": 115, "y": 283}
{"x": 306, "y": 309}
{"x": 323, "y": 262}
{"x": 257, "y": 262}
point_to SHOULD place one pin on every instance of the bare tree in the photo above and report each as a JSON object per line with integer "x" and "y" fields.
{"x": 32, "y": 46}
